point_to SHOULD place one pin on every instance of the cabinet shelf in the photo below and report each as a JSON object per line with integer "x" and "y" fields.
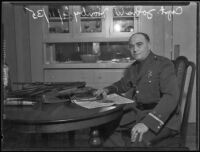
{"x": 91, "y": 18}
{"x": 128, "y": 17}
{"x": 58, "y": 19}
{"x": 81, "y": 65}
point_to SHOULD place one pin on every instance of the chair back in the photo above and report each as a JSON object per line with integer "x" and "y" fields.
{"x": 181, "y": 68}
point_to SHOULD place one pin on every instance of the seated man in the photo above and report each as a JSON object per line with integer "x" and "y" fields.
{"x": 155, "y": 91}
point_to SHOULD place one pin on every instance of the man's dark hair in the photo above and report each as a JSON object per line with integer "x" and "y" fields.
{"x": 144, "y": 34}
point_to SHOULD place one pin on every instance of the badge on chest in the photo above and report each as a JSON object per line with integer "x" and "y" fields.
{"x": 149, "y": 76}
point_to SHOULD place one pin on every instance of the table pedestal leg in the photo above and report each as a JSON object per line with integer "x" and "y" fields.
{"x": 45, "y": 139}
{"x": 71, "y": 137}
{"x": 95, "y": 139}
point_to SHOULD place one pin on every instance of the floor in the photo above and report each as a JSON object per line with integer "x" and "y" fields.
{"x": 191, "y": 137}
{"x": 60, "y": 141}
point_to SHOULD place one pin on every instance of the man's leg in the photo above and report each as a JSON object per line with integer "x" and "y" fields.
{"x": 113, "y": 136}
{"x": 150, "y": 139}
{"x": 115, "y": 140}
{"x": 119, "y": 137}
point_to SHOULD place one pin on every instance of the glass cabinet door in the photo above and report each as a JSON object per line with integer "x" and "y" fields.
{"x": 60, "y": 21}
{"x": 123, "y": 21}
{"x": 90, "y": 20}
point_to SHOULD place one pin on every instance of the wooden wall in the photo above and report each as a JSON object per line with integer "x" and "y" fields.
{"x": 22, "y": 36}
{"x": 184, "y": 34}
{"x": 8, "y": 20}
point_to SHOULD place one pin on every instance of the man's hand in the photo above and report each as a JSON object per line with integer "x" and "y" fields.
{"x": 101, "y": 92}
{"x": 138, "y": 129}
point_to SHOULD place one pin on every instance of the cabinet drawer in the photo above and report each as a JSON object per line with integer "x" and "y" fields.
{"x": 68, "y": 75}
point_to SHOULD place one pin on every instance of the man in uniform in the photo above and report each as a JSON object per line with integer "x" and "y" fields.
{"x": 153, "y": 83}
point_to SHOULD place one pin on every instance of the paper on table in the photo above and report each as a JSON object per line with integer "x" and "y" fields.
{"x": 92, "y": 104}
{"x": 116, "y": 99}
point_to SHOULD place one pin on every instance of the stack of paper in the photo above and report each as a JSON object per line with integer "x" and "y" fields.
{"x": 109, "y": 101}
{"x": 93, "y": 104}
{"x": 117, "y": 99}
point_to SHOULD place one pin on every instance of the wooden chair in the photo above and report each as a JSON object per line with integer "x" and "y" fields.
{"x": 182, "y": 66}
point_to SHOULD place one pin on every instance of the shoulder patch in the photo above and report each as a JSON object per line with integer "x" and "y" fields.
{"x": 161, "y": 58}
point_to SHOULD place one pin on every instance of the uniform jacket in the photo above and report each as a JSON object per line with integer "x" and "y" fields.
{"x": 156, "y": 82}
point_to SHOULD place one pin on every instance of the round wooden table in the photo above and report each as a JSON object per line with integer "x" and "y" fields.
{"x": 61, "y": 117}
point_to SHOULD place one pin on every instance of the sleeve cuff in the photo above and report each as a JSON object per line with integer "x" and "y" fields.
{"x": 112, "y": 89}
{"x": 153, "y": 122}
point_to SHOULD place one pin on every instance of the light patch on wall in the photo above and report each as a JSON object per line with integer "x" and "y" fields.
{"x": 117, "y": 28}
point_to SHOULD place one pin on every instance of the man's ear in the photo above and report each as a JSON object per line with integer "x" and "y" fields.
{"x": 149, "y": 45}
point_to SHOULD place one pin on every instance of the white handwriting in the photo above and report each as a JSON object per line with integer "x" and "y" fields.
{"x": 148, "y": 14}
{"x": 40, "y": 13}
{"x": 136, "y": 13}
{"x": 119, "y": 12}
{"x": 169, "y": 13}
{"x": 93, "y": 14}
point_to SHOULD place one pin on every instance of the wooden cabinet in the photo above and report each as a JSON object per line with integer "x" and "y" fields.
{"x": 68, "y": 23}
{"x": 97, "y": 78}
{"x": 69, "y": 75}
{"x": 58, "y": 23}
{"x": 122, "y": 21}
{"x": 88, "y": 23}
{"x": 105, "y": 77}
{"x": 72, "y": 24}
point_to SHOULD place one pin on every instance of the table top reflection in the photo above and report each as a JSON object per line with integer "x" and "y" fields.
{"x": 58, "y": 117}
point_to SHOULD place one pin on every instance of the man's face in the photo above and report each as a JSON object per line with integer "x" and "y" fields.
{"x": 139, "y": 47}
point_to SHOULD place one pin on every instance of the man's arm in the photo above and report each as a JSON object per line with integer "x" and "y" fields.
{"x": 121, "y": 86}
{"x": 156, "y": 119}
{"x": 124, "y": 84}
